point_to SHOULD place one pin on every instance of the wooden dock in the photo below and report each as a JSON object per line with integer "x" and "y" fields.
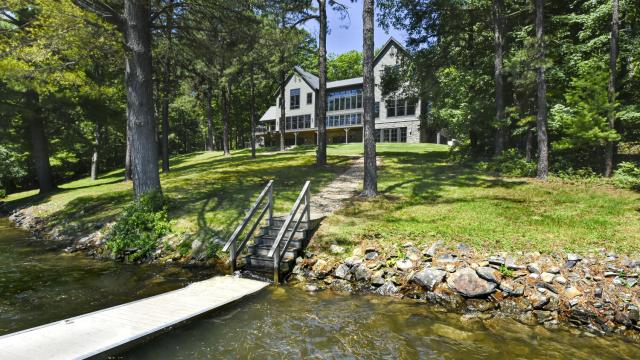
{"x": 97, "y": 332}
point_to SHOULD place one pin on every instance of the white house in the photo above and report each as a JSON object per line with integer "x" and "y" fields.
{"x": 396, "y": 118}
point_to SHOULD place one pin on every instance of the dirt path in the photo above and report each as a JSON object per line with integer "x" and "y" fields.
{"x": 344, "y": 187}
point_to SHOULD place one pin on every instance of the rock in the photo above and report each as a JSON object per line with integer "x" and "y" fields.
{"x": 371, "y": 255}
{"x": 597, "y": 292}
{"x": 342, "y": 271}
{"x": 466, "y": 282}
{"x": 336, "y": 249}
{"x": 547, "y": 277}
{"x": 388, "y": 288}
{"x": 554, "y": 270}
{"x": 413, "y": 253}
{"x": 547, "y": 286}
{"x": 378, "y": 278}
{"x": 533, "y": 268}
{"x": 496, "y": 260}
{"x": 631, "y": 282}
{"x": 431, "y": 252}
{"x": 353, "y": 261}
{"x": 560, "y": 279}
{"x": 462, "y": 247}
{"x": 610, "y": 274}
{"x": 534, "y": 276}
{"x": 510, "y": 264}
{"x": 510, "y": 289}
{"x": 489, "y": 274}
{"x": 429, "y": 278}
{"x": 446, "y": 258}
{"x": 321, "y": 268}
{"x": 571, "y": 292}
{"x": 362, "y": 273}
{"x": 634, "y": 313}
{"x": 450, "y": 268}
{"x": 404, "y": 264}
{"x": 538, "y": 300}
{"x": 341, "y": 285}
{"x": 311, "y": 288}
{"x": 573, "y": 257}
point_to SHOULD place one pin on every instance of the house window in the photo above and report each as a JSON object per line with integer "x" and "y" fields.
{"x": 298, "y": 122}
{"x": 344, "y": 120}
{"x": 294, "y": 99}
{"x": 345, "y": 100}
{"x": 400, "y": 107}
{"x": 376, "y": 110}
{"x": 309, "y": 98}
{"x": 391, "y": 135}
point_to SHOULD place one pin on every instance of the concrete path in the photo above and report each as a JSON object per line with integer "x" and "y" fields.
{"x": 341, "y": 189}
{"x": 97, "y": 332}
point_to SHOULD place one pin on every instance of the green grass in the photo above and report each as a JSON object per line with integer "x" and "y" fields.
{"x": 423, "y": 198}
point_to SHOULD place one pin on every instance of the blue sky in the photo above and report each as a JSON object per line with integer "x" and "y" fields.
{"x": 346, "y": 34}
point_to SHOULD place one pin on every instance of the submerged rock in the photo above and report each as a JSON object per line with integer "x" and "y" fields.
{"x": 467, "y": 283}
{"x": 388, "y": 288}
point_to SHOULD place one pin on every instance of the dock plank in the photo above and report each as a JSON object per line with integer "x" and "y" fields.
{"x": 94, "y": 333}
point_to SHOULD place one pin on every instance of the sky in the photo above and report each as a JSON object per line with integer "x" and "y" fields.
{"x": 346, "y": 34}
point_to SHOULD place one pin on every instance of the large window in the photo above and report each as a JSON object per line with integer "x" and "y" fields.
{"x": 344, "y": 120}
{"x": 400, "y": 107}
{"x": 345, "y": 100}
{"x": 297, "y": 122}
{"x": 294, "y": 99}
{"x": 391, "y": 135}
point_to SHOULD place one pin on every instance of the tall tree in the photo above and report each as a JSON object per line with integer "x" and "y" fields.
{"x": 613, "y": 60}
{"x": 321, "y": 101}
{"x": 541, "y": 120}
{"x": 166, "y": 84}
{"x": 370, "y": 186}
{"x": 498, "y": 29}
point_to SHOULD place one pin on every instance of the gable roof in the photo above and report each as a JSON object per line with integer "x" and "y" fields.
{"x": 270, "y": 114}
{"x": 391, "y": 42}
{"x": 344, "y": 82}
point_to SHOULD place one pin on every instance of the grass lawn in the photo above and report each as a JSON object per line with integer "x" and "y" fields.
{"x": 424, "y": 198}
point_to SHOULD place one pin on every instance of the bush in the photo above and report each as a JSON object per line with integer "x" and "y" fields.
{"x": 583, "y": 173}
{"x": 511, "y": 163}
{"x": 627, "y": 176}
{"x": 3, "y": 193}
{"x": 136, "y": 233}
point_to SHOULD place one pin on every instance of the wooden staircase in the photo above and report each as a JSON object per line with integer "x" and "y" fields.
{"x": 280, "y": 238}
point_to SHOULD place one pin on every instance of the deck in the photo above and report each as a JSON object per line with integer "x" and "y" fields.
{"x": 97, "y": 332}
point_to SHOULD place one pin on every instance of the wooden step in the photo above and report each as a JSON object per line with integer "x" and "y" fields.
{"x": 273, "y": 232}
{"x": 263, "y": 250}
{"x": 268, "y": 240}
{"x": 265, "y": 264}
{"x": 278, "y": 221}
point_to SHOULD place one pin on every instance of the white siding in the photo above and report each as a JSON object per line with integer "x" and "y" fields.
{"x": 296, "y": 82}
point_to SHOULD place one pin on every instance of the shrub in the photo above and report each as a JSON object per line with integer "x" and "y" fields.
{"x": 511, "y": 163}
{"x": 142, "y": 223}
{"x": 583, "y": 173}
{"x": 3, "y": 193}
{"x": 627, "y": 176}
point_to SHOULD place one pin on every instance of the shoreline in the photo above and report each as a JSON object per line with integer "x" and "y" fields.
{"x": 597, "y": 292}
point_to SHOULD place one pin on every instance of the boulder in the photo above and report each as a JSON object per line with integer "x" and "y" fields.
{"x": 489, "y": 274}
{"x": 433, "y": 248}
{"x": 533, "y": 268}
{"x": 362, "y": 273}
{"x": 342, "y": 271}
{"x": 429, "y": 278}
{"x": 547, "y": 277}
{"x": 388, "y": 288}
{"x": 404, "y": 264}
{"x": 467, "y": 283}
{"x": 322, "y": 268}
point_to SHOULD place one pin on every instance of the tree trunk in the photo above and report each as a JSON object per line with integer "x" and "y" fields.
{"x": 528, "y": 146}
{"x": 370, "y": 186}
{"x": 96, "y": 147}
{"x": 210, "y": 140}
{"x": 140, "y": 112}
{"x": 321, "y": 101}
{"x": 166, "y": 89}
{"x": 541, "y": 120}
{"x": 128, "y": 171}
{"x": 39, "y": 143}
{"x": 283, "y": 78}
{"x": 252, "y": 107}
{"x": 497, "y": 6}
{"x": 226, "y": 95}
{"x": 613, "y": 59}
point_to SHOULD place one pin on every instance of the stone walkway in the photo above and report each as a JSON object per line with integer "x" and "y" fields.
{"x": 344, "y": 187}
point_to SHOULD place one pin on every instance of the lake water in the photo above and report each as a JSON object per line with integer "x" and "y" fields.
{"x": 40, "y": 285}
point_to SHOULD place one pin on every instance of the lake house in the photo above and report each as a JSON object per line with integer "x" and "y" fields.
{"x": 397, "y": 119}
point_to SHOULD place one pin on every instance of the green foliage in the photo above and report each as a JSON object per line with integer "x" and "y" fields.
{"x": 510, "y": 163}
{"x": 138, "y": 229}
{"x": 344, "y": 66}
{"x": 11, "y": 168}
{"x": 627, "y": 176}
{"x": 3, "y": 193}
{"x": 505, "y": 271}
{"x": 582, "y": 174}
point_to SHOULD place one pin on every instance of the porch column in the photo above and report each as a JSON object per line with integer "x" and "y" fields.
{"x": 346, "y": 135}
{"x": 438, "y": 137}
{"x": 317, "y": 139}
{"x": 295, "y": 138}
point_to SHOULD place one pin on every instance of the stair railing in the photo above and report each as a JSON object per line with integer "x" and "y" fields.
{"x": 232, "y": 245}
{"x": 275, "y": 250}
